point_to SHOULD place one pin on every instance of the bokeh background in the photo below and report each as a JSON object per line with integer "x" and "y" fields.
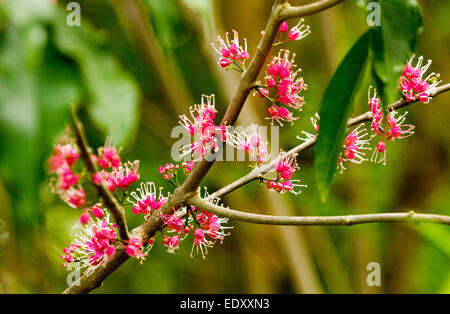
{"x": 133, "y": 67}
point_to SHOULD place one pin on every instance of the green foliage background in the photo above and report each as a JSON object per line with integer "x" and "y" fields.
{"x": 132, "y": 75}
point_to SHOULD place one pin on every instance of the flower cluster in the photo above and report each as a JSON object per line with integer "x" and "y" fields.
{"x": 114, "y": 174}
{"x": 95, "y": 210}
{"x": 93, "y": 245}
{"x": 285, "y": 168}
{"x": 205, "y": 227}
{"x": 389, "y": 127}
{"x": 146, "y": 200}
{"x": 232, "y": 54}
{"x": 170, "y": 171}
{"x": 282, "y": 87}
{"x": 354, "y": 145}
{"x": 251, "y": 143}
{"x": 297, "y": 32}
{"x": 201, "y": 126}
{"x": 66, "y": 183}
{"x": 135, "y": 248}
{"x": 413, "y": 86}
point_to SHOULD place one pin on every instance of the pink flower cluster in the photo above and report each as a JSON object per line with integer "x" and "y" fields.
{"x": 201, "y": 126}
{"x": 392, "y": 129}
{"x": 66, "y": 184}
{"x": 297, "y": 32}
{"x": 232, "y": 54}
{"x": 205, "y": 227}
{"x": 251, "y": 143}
{"x": 413, "y": 86}
{"x": 146, "y": 200}
{"x": 354, "y": 145}
{"x": 115, "y": 174}
{"x": 135, "y": 248}
{"x": 93, "y": 245}
{"x": 95, "y": 210}
{"x": 285, "y": 168}
{"x": 282, "y": 88}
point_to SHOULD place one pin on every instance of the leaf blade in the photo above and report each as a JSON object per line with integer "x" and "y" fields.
{"x": 335, "y": 110}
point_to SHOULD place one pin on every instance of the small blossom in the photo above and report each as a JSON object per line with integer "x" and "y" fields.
{"x": 354, "y": 145}
{"x": 135, "y": 248}
{"x": 283, "y": 87}
{"x": 252, "y": 143}
{"x": 231, "y": 52}
{"x": 379, "y": 153}
{"x": 299, "y": 31}
{"x": 108, "y": 155}
{"x": 285, "y": 168}
{"x": 172, "y": 243}
{"x": 412, "y": 83}
{"x": 146, "y": 200}
{"x": 201, "y": 126}
{"x": 74, "y": 197}
{"x": 93, "y": 245}
{"x": 283, "y": 27}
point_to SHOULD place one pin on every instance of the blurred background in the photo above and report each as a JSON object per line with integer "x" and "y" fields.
{"x": 133, "y": 67}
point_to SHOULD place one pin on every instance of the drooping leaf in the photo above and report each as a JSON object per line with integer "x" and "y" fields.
{"x": 336, "y": 108}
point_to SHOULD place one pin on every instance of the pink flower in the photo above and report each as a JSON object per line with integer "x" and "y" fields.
{"x": 135, "y": 248}
{"x": 299, "y": 31}
{"x": 97, "y": 211}
{"x": 283, "y": 27}
{"x": 285, "y": 168}
{"x": 282, "y": 79}
{"x": 74, "y": 197}
{"x": 108, "y": 155}
{"x": 201, "y": 126}
{"x": 251, "y": 143}
{"x": 146, "y": 201}
{"x": 231, "y": 52}
{"x": 123, "y": 176}
{"x": 84, "y": 218}
{"x": 354, "y": 145}
{"x": 413, "y": 86}
{"x": 93, "y": 245}
{"x": 172, "y": 243}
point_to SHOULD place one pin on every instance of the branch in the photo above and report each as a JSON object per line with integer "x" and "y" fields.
{"x": 109, "y": 200}
{"x": 257, "y": 173}
{"x": 246, "y": 83}
{"x": 289, "y": 12}
{"x": 348, "y": 220}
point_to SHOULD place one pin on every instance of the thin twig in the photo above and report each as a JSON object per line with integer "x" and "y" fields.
{"x": 109, "y": 200}
{"x": 347, "y": 220}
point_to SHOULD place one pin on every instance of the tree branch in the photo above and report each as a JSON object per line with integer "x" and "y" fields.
{"x": 347, "y": 220}
{"x": 258, "y": 173}
{"x": 109, "y": 200}
{"x": 289, "y": 12}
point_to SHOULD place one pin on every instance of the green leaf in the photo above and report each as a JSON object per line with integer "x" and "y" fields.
{"x": 394, "y": 42}
{"x": 336, "y": 108}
